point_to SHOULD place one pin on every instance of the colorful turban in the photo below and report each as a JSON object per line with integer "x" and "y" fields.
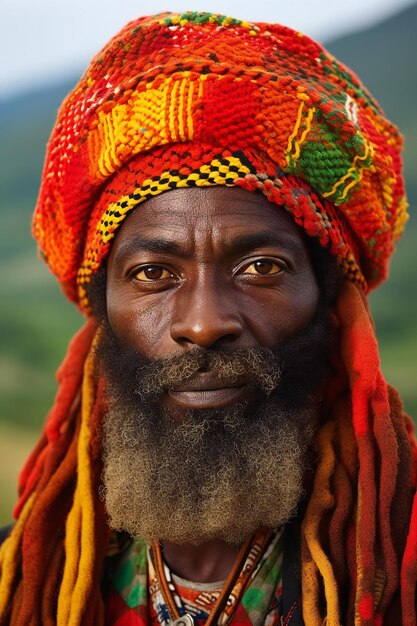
{"x": 201, "y": 99}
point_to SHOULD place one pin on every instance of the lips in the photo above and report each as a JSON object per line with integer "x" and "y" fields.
{"x": 206, "y": 391}
{"x": 208, "y": 381}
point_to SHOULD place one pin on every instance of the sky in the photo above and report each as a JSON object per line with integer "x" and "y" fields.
{"x": 43, "y": 41}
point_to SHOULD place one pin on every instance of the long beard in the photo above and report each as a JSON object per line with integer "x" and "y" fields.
{"x": 212, "y": 474}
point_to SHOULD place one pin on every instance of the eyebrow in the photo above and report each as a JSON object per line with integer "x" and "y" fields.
{"x": 157, "y": 245}
{"x": 236, "y": 245}
{"x": 252, "y": 241}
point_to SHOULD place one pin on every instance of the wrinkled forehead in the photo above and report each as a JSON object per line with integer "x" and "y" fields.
{"x": 216, "y": 217}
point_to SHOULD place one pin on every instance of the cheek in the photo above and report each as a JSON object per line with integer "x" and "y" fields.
{"x": 304, "y": 300}
{"x": 277, "y": 314}
{"x": 143, "y": 328}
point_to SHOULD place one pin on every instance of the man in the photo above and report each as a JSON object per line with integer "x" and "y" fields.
{"x": 218, "y": 198}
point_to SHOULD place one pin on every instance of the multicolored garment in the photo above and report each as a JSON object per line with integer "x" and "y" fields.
{"x": 136, "y": 597}
{"x": 197, "y": 599}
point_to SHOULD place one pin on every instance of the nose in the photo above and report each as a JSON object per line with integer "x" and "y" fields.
{"x": 205, "y": 318}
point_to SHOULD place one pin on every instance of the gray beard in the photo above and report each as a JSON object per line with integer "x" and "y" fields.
{"x": 218, "y": 475}
{"x": 201, "y": 475}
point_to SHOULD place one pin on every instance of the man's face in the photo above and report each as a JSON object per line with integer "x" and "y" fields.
{"x": 208, "y": 268}
{"x": 211, "y": 349}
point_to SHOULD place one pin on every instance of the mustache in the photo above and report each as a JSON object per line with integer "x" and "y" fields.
{"x": 290, "y": 370}
{"x": 257, "y": 367}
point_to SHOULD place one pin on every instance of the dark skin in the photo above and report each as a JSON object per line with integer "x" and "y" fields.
{"x": 213, "y": 267}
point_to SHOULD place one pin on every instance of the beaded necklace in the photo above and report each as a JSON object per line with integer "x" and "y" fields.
{"x": 251, "y": 555}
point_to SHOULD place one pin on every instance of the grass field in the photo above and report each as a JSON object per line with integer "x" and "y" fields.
{"x": 15, "y": 445}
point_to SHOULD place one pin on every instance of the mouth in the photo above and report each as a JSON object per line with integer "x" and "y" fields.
{"x": 205, "y": 391}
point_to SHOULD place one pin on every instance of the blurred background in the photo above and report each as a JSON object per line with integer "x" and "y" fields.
{"x": 44, "y": 47}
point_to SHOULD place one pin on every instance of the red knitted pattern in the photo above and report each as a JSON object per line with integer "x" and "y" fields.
{"x": 200, "y": 99}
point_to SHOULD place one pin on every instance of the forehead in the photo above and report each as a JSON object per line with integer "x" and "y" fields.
{"x": 220, "y": 212}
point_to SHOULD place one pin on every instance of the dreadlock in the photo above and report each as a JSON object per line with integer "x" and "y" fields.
{"x": 363, "y": 490}
{"x": 57, "y": 545}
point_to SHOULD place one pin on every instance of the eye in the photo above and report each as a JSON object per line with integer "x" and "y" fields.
{"x": 263, "y": 267}
{"x": 152, "y": 272}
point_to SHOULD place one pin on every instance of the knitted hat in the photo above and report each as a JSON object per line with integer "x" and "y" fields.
{"x": 201, "y": 99}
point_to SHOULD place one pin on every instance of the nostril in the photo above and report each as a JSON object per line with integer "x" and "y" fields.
{"x": 206, "y": 330}
{"x": 226, "y": 339}
{"x": 208, "y": 342}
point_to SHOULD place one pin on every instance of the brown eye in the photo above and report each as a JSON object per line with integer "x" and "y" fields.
{"x": 152, "y": 272}
{"x": 264, "y": 267}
